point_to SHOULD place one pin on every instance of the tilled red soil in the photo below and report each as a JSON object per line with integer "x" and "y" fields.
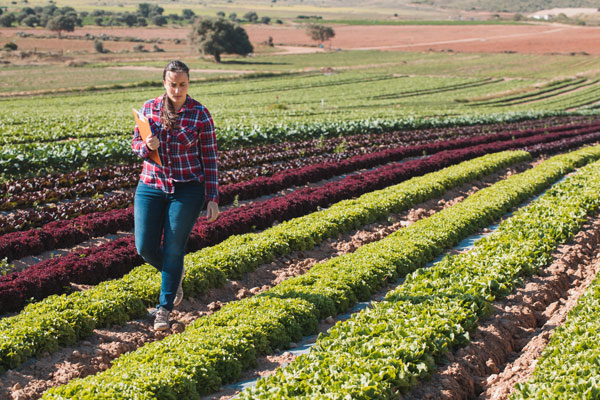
{"x": 543, "y": 38}
{"x": 505, "y": 348}
{"x": 97, "y": 352}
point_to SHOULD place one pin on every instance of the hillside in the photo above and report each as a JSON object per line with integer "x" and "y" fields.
{"x": 508, "y": 5}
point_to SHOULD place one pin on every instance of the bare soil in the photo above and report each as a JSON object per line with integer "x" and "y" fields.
{"x": 528, "y": 39}
{"x": 505, "y": 348}
{"x": 97, "y": 352}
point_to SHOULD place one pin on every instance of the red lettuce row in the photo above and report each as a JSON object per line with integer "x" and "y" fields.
{"x": 118, "y": 257}
{"x": 256, "y": 161}
{"x": 68, "y": 233}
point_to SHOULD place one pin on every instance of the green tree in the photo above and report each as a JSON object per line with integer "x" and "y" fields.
{"x": 187, "y": 13}
{"x": 6, "y": 20}
{"x": 130, "y": 19}
{"x": 144, "y": 9}
{"x": 216, "y": 36}
{"x": 159, "y": 20}
{"x": 251, "y": 16}
{"x": 31, "y": 21}
{"x": 320, "y": 33}
{"x": 61, "y": 23}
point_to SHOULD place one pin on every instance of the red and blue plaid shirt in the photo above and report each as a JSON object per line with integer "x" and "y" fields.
{"x": 188, "y": 153}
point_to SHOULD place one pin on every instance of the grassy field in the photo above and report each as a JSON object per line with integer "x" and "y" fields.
{"x": 508, "y": 66}
{"x": 355, "y": 85}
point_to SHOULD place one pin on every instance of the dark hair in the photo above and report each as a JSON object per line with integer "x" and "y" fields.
{"x": 168, "y": 116}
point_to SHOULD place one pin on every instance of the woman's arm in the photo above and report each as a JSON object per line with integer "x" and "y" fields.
{"x": 208, "y": 141}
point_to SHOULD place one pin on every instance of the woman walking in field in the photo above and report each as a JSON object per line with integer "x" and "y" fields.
{"x": 169, "y": 198}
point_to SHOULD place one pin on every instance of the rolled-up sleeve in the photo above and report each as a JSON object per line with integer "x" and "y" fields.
{"x": 208, "y": 143}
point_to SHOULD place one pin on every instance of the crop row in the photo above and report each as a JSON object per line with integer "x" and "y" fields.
{"x": 259, "y": 155}
{"x": 386, "y": 349}
{"x": 25, "y": 160}
{"x": 120, "y": 300}
{"x": 116, "y": 258}
{"x": 67, "y": 233}
{"x": 113, "y": 259}
{"x": 548, "y": 90}
{"x": 582, "y": 97}
{"x": 263, "y": 158}
{"x": 214, "y": 349}
{"x": 41, "y": 215}
{"x": 568, "y": 367}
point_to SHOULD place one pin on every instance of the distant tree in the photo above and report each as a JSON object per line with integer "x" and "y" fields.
{"x": 147, "y": 10}
{"x": 265, "y": 20}
{"x": 141, "y": 21}
{"x": 129, "y": 19}
{"x": 99, "y": 21}
{"x": 155, "y": 9}
{"x": 10, "y": 46}
{"x": 66, "y": 10}
{"x": 251, "y": 16}
{"x": 61, "y": 23}
{"x": 31, "y": 21}
{"x": 320, "y": 33}
{"x": 159, "y": 20}
{"x": 187, "y": 13}
{"x": 216, "y": 36}
{"x": 233, "y": 16}
{"x": 1, "y": 11}
{"x": 6, "y": 20}
{"x": 144, "y": 9}
{"x": 221, "y": 14}
{"x": 28, "y": 11}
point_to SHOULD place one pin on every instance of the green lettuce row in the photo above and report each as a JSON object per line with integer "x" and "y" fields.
{"x": 386, "y": 349}
{"x": 61, "y": 320}
{"x": 21, "y": 160}
{"x": 568, "y": 368}
{"x": 213, "y": 350}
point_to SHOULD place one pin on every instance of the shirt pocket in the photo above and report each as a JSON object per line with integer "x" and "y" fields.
{"x": 187, "y": 136}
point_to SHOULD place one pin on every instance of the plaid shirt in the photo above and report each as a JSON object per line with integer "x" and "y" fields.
{"x": 188, "y": 153}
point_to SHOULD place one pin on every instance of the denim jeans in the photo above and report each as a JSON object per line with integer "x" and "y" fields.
{"x": 170, "y": 217}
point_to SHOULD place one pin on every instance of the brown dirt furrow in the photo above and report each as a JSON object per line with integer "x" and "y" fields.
{"x": 97, "y": 352}
{"x": 505, "y": 347}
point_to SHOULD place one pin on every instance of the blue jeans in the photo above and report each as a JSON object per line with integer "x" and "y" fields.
{"x": 170, "y": 217}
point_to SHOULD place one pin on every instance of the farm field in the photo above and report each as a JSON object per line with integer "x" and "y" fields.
{"x": 411, "y": 211}
{"x": 268, "y": 258}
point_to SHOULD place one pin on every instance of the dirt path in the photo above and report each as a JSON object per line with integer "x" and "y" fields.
{"x": 506, "y": 345}
{"x": 97, "y": 352}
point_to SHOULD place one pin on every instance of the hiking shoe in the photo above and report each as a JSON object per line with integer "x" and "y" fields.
{"x": 179, "y": 294}
{"x": 161, "y": 321}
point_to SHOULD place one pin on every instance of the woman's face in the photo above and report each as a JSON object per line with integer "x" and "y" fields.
{"x": 176, "y": 84}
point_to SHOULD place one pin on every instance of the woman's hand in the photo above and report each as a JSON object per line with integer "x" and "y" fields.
{"x": 212, "y": 211}
{"x": 152, "y": 142}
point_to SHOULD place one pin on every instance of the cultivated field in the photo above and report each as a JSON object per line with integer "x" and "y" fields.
{"x": 409, "y": 212}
